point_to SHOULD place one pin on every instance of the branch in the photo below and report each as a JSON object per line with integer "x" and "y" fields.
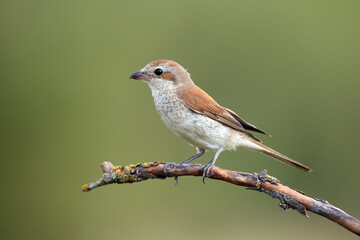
{"x": 289, "y": 198}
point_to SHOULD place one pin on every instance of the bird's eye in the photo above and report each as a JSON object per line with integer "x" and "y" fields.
{"x": 158, "y": 71}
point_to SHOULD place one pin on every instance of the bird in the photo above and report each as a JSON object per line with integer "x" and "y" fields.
{"x": 195, "y": 116}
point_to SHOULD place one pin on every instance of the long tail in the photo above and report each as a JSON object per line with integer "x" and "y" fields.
{"x": 272, "y": 153}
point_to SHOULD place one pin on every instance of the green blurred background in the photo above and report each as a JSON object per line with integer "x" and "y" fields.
{"x": 67, "y": 104}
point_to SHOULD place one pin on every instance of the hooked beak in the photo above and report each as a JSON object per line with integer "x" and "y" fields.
{"x": 139, "y": 76}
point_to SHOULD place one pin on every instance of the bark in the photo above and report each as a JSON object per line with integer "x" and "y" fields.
{"x": 262, "y": 182}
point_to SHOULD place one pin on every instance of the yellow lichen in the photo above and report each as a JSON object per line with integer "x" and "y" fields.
{"x": 117, "y": 168}
{"x": 127, "y": 174}
{"x": 85, "y": 188}
{"x": 128, "y": 178}
{"x": 148, "y": 164}
{"x": 120, "y": 174}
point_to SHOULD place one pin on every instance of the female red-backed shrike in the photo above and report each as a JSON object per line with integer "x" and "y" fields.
{"x": 193, "y": 115}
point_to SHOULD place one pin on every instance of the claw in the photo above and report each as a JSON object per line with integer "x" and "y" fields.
{"x": 166, "y": 165}
{"x": 206, "y": 170}
{"x": 203, "y": 178}
{"x": 177, "y": 180}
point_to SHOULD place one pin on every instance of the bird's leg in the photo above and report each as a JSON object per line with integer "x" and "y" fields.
{"x": 200, "y": 152}
{"x": 206, "y": 168}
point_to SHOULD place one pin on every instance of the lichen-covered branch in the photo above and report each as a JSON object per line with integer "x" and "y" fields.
{"x": 262, "y": 182}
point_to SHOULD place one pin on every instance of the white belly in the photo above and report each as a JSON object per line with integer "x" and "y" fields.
{"x": 198, "y": 130}
{"x": 203, "y": 132}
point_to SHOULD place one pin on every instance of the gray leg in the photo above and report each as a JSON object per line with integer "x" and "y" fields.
{"x": 200, "y": 152}
{"x": 206, "y": 168}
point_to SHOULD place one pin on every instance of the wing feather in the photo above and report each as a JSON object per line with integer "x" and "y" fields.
{"x": 200, "y": 102}
{"x": 245, "y": 124}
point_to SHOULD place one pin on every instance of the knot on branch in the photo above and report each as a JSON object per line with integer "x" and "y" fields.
{"x": 286, "y": 201}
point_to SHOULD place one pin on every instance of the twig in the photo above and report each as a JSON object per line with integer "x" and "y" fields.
{"x": 262, "y": 182}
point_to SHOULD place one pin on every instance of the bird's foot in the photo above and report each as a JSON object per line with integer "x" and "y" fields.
{"x": 171, "y": 165}
{"x": 206, "y": 169}
{"x": 168, "y": 165}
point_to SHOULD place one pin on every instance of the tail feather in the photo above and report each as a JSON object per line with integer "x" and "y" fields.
{"x": 272, "y": 153}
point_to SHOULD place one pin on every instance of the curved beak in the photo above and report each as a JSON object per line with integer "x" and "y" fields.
{"x": 139, "y": 76}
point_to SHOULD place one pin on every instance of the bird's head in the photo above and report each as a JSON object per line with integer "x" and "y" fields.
{"x": 164, "y": 75}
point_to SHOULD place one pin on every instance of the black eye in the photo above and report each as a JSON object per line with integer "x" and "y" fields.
{"x": 158, "y": 71}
